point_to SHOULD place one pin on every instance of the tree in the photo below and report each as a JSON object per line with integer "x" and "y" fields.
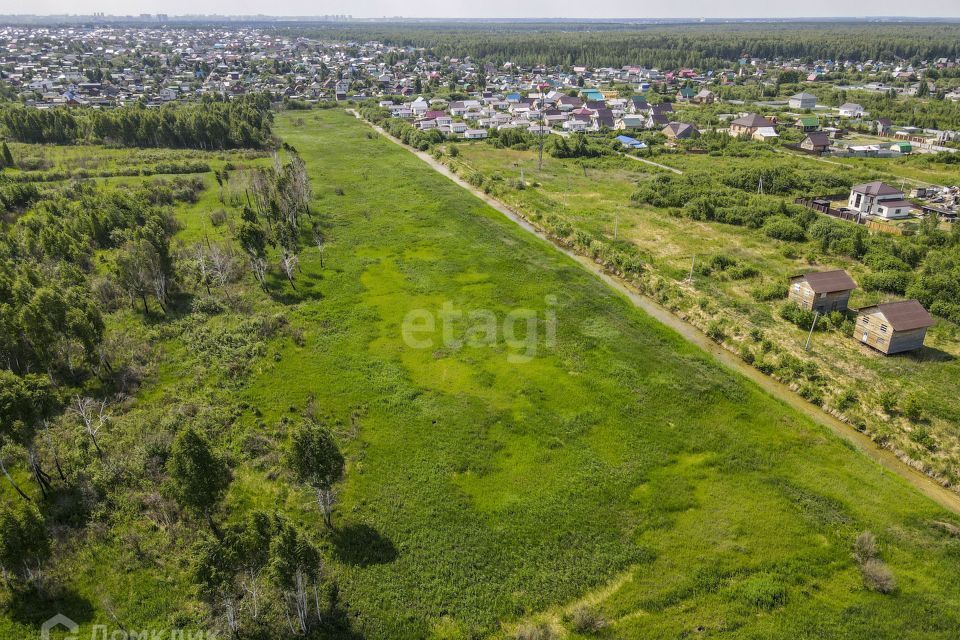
{"x": 320, "y": 240}
{"x": 198, "y": 476}
{"x": 6, "y": 473}
{"x": 316, "y": 460}
{"x": 8, "y": 160}
{"x": 93, "y": 415}
{"x": 295, "y": 570}
{"x": 253, "y": 239}
{"x": 23, "y": 541}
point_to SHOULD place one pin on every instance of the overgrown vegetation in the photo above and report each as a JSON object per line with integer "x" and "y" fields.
{"x": 240, "y": 123}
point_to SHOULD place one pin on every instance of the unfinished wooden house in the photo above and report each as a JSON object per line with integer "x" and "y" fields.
{"x": 822, "y": 291}
{"x": 893, "y": 327}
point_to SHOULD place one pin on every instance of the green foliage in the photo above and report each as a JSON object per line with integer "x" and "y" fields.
{"x": 314, "y": 456}
{"x": 770, "y": 291}
{"x": 802, "y": 318}
{"x": 762, "y": 591}
{"x": 198, "y": 476}
{"x": 24, "y": 545}
{"x": 239, "y": 123}
{"x": 27, "y": 398}
{"x": 782, "y": 228}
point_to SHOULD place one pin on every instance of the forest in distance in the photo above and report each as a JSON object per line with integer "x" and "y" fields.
{"x": 660, "y": 46}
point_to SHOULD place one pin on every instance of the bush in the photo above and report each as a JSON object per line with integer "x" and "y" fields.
{"x": 877, "y": 576}
{"x": 783, "y": 228}
{"x": 887, "y": 281}
{"x": 846, "y": 399}
{"x": 865, "y": 547}
{"x": 742, "y": 272}
{"x": 923, "y": 438}
{"x": 531, "y": 631}
{"x": 586, "y": 619}
{"x": 888, "y": 401}
{"x": 218, "y": 217}
{"x": 715, "y": 331}
{"x": 770, "y": 291}
{"x": 794, "y": 314}
{"x": 913, "y": 409}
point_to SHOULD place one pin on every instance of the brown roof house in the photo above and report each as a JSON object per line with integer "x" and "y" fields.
{"x": 893, "y": 327}
{"x": 822, "y": 291}
{"x": 749, "y": 125}
{"x": 816, "y": 142}
{"x": 680, "y": 131}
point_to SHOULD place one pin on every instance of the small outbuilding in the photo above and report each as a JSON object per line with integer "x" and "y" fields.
{"x": 893, "y": 327}
{"x": 816, "y": 142}
{"x": 822, "y": 291}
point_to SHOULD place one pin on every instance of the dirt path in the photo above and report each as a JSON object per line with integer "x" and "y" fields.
{"x": 926, "y": 485}
{"x": 652, "y": 163}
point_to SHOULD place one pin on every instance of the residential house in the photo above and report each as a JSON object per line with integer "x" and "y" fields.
{"x": 851, "y": 110}
{"x": 685, "y": 94}
{"x": 893, "y": 327}
{"x": 638, "y": 104}
{"x": 705, "y": 96}
{"x": 749, "y": 125}
{"x": 803, "y": 101}
{"x": 475, "y": 134}
{"x": 816, "y": 142}
{"x": 807, "y": 123}
{"x": 884, "y": 126}
{"x": 631, "y": 122}
{"x": 823, "y": 291}
{"x": 879, "y": 199}
{"x": 419, "y": 107}
{"x": 680, "y": 131}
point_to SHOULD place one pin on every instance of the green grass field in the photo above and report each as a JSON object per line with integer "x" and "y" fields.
{"x": 619, "y": 466}
{"x": 594, "y": 196}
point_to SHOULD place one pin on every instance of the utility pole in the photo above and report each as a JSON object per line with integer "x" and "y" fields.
{"x": 816, "y": 316}
{"x": 540, "y": 130}
{"x": 616, "y": 225}
{"x": 693, "y": 264}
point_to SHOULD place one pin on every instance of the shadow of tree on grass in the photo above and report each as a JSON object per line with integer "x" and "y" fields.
{"x": 361, "y": 545}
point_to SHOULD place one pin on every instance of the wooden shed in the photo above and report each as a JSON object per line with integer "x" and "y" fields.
{"x": 822, "y": 291}
{"x": 893, "y": 327}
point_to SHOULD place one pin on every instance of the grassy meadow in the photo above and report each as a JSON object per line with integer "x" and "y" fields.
{"x": 614, "y": 469}
{"x": 594, "y": 196}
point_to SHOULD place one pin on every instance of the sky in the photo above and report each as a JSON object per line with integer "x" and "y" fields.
{"x": 497, "y": 8}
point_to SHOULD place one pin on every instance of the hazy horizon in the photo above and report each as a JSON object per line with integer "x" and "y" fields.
{"x": 493, "y": 9}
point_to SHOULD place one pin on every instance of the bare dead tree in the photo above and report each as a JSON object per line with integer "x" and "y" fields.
{"x": 93, "y": 415}
{"x": 289, "y": 264}
{"x": 321, "y": 241}
{"x": 326, "y": 500}
{"x": 41, "y": 476}
{"x": 223, "y": 264}
{"x": 203, "y": 264}
{"x": 259, "y": 267}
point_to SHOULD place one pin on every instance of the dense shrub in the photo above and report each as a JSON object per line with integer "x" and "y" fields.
{"x": 782, "y": 228}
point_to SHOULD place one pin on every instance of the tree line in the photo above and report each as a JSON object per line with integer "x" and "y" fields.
{"x": 243, "y": 122}
{"x": 665, "y": 46}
